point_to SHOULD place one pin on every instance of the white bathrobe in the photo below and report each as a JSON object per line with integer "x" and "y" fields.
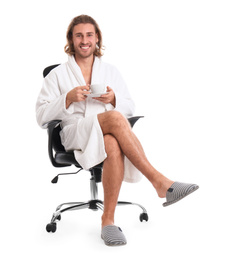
{"x": 81, "y": 131}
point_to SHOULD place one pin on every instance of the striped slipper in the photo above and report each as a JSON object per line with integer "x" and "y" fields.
{"x": 113, "y": 236}
{"x": 178, "y": 191}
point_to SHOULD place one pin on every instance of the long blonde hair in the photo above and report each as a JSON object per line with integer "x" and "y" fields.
{"x": 69, "y": 48}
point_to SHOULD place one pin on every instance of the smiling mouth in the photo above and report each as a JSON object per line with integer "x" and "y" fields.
{"x": 84, "y": 47}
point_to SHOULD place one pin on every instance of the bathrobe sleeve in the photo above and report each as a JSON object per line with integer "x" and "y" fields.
{"x": 51, "y": 102}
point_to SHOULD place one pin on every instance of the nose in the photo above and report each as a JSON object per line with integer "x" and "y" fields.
{"x": 84, "y": 40}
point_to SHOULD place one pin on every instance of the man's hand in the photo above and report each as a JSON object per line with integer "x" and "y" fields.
{"x": 76, "y": 95}
{"x": 107, "y": 98}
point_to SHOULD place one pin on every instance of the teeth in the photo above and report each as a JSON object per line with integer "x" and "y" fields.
{"x": 85, "y": 47}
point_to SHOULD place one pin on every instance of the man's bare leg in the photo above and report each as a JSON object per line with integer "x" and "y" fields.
{"x": 114, "y": 123}
{"x": 112, "y": 177}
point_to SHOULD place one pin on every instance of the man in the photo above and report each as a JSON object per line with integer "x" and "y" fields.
{"x": 99, "y": 122}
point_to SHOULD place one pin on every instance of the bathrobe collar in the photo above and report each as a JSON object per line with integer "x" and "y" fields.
{"x": 78, "y": 74}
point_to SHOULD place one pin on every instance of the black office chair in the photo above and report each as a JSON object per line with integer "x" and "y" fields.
{"x": 61, "y": 158}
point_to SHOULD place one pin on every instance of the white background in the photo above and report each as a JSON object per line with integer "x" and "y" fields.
{"x": 177, "y": 58}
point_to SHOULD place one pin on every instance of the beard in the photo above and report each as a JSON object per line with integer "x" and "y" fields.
{"x": 83, "y": 53}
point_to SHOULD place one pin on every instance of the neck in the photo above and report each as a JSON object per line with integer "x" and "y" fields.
{"x": 85, "y": 63}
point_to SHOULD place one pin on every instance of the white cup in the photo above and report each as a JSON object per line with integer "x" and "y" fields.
{"x": 98, "y": 88}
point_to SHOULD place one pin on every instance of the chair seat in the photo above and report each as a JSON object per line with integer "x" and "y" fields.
{"x": 66, "y": 158}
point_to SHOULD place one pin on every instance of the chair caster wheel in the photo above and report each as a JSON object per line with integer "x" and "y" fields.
{"x": 51, "y": 227}
{"x": 144, "y": 216}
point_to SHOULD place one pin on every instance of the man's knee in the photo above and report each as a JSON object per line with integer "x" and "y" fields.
{"x": 116, "y": 116}
{"x": 112, "y": 120}
{"x": 111, "y": 115}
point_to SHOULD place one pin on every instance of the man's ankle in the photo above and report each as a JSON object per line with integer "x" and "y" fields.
{"x": 107, "y": 220}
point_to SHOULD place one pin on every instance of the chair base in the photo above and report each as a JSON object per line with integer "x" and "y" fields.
{"x": 93, "y": 204}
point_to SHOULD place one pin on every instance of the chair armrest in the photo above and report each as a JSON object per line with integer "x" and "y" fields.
{"x": 52, "y": 124}
{"x": 133, "y": 120}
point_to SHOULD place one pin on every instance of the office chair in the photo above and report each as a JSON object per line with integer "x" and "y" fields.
{"x": 61, "y": 158}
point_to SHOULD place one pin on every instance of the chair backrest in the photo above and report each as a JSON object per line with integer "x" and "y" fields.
{"x": 56, "y": 140}
{"x": 47, "y": 70}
